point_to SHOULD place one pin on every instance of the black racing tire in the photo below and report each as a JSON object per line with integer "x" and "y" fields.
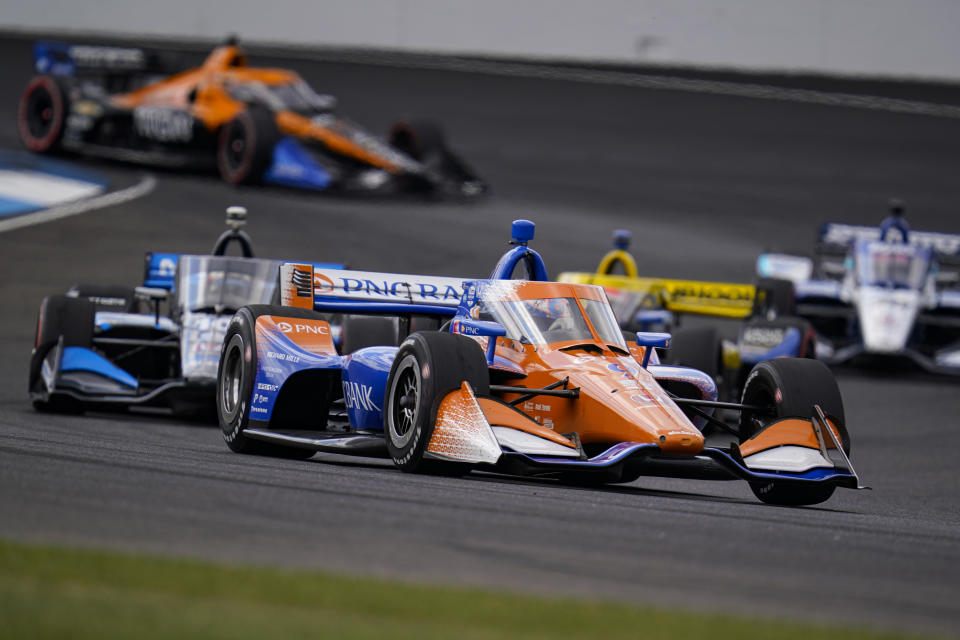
{"x": 107, "y": 297}
{"x": 358, "y": 332}
{"x": 427, "y": 366}
{"x": 71, "y": 318}
{"x": 419, "y": 139}
{"x": 42, "y": 113}
{"x": 807, "y": 348}
{"x": 801, "y": 383}
{"x": 698, "y": 348}
{"x": 245, "y": 146}
{"x": 235, "y": 378}
{"x": 774, "y": 298}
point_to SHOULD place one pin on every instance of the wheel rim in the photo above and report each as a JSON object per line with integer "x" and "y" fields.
{"x": 759, "y": 396}
{"x": 40, "y": 112}
{"x": 231, "y": 380}
{"x": 405, "y": 401}
{"x": 236, "y": 147}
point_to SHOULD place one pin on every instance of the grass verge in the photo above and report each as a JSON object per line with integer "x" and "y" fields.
{"x": 52, "y": 592}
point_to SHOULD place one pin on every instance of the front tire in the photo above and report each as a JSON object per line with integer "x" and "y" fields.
{"x": 427, "y": 367}
{"x": 59, "y": 316}
{"x": 789, "y": 388}
{"x": 235, "y": 379}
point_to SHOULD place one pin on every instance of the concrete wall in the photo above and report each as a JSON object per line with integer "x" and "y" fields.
{"x": 873, "y": 37}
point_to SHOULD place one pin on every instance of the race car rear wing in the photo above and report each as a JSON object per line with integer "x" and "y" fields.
{"x": 160, "y": 269}
{"x": 721, "y": 299}
{"x": 310, "y": 286}
{"x": 61, "y": 58}
{"x": 833, "y": 234}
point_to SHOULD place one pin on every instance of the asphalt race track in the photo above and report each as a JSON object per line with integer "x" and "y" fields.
{"x": 704, "y": 181}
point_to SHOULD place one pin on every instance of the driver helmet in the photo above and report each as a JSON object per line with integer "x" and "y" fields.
{"x": 895, "y": 228}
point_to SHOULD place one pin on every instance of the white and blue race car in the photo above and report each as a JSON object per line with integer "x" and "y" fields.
{"x": 158, "y": 345}
{"x": 869, "y": 295}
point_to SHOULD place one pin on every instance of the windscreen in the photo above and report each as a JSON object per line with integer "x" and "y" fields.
{"x": 603, "y": 321}
{"x": 295, "y": 96}
{"x": 548, "y": 320}
{"x": 219, "y": 285}
{"x": 892, "y": 265}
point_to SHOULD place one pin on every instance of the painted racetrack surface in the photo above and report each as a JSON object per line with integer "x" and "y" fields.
{"x": 704, "y": 181}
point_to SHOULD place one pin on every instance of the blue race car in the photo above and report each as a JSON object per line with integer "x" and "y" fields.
{"x": 103, "y": 346}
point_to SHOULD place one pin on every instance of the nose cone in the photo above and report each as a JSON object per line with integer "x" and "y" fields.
{"x": 625, "y": 403}
{"x": 886, "y": 318}
{"x": 681, "y": 442}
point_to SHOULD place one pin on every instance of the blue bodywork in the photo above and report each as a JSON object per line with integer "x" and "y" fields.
{"x": 53, "y": 58}
{"x": 294, "y": 166}
{"x": 789, "y": 346}
{"x": 81, "y": 359}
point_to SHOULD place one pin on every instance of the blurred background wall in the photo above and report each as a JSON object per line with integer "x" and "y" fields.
{"x": 901, "y": 38}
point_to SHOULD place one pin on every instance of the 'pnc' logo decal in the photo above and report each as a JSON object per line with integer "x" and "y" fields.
{"x": 322, "y": 284}
{"x": 298, "y": 328}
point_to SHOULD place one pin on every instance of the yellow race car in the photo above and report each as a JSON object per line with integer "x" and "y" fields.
{"x": 767, "y": 329}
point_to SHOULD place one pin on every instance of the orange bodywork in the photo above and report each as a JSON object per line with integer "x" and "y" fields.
{"x": 790, "y": 431}
{"x": 203, "y": 93}
{"x": 619, "y": 401}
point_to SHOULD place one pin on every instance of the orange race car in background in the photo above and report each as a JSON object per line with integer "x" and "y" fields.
{"x": 254, "y": 124}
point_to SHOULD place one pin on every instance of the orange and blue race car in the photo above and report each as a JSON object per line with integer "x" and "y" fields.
{"x": 252, "y": 124}
{"x": 525, "y": 377}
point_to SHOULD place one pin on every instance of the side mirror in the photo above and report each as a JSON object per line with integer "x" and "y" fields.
{"x": 153, "y": 295}
{"x": 650, "y": 340}
{"x": 480, "y": 328}
{"x": 477, "y": 328}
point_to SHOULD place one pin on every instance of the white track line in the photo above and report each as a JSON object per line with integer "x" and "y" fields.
{"x": 44, "y": 189}
{"x": 638, "y": 79}
{"x": 142, "y": 188}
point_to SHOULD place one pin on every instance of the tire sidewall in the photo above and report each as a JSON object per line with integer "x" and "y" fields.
{"x": 240, "y": 335}
{"x": 444, "y": 362}
{"x": 59, "y": 100}
{"x": 260, "y": 135}
{"x": 794, "y": 385}
{"x": 408, "y": 452}
{"x": 240, "y": 174}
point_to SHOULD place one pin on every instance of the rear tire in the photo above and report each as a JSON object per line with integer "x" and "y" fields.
{"x": 245, "y": 146}
{"x": 800, "y": 384}
{"x": 775, "y": 297}
{"x": 427, "y": 367}
{"x": 359, "y": 332}
{"x": 698, "y": 348}
{"x": 235, "y": 379}
{"x": 419, "y": 139}
{"x": 42, "y": 113}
